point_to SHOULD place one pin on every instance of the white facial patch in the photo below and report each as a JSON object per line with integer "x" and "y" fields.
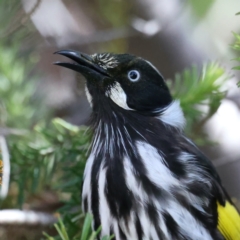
{"x": 117, "y": 94}
{"x": 89, "y": 96}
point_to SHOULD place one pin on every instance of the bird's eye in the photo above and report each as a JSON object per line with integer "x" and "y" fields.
{"x": 133, "y": 75}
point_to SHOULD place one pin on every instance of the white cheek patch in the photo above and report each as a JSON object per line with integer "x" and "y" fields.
{"x": 89, "y": 96}
{"x": 117, "y": 94}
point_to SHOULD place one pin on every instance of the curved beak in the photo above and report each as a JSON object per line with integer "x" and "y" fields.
{"x": 83, "y": 64}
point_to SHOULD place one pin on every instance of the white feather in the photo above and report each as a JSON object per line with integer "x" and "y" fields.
{"x": 157, "y": 171}
{"x": 116, "y": 229}
{"x": 163, "y": 227}
{"x": 133, "y": 185}
{"x": 142, "y": 198}
{"x": 153, "y": 232}
{"x": 122, "y": 140}
{"x": 194, "y": 173}
{"x": 189, "y": 226}
{"x": 173, "y": 115}
{"x": 129, "y": 227}
{"x": 145, "y": 223}
{"x": 105, "y": 60}
{"x": 96, "y": 141}
{"x": 117, "y": 94}
{"x": 86, "y": 192}
{"x": 104, "y": 212}
{"x": 89, "y": 96}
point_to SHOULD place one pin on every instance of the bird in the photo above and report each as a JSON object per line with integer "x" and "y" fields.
{"x": 144, "y": 179}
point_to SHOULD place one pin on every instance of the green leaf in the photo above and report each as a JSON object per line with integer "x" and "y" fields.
{"x": 107, "y": 237}
{"x": 236, "y": 59}
{"x": 236, "y": 68}
{"x": 86, "y": 231}
{"x": 200, "y": 8}
{"x": 236, "y": 46}
{"x": 47, "y": 236}
{"x": 61, "y": 230}
{"x": 61, "y": 124}
{"x": 196, "y": 89}
{"x": 95, "y": 234}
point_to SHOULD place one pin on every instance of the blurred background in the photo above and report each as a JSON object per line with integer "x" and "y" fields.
{"x": 173, "y": 35}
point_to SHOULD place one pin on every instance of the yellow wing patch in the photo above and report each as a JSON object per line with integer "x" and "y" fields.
{"x": 228, "y": 221}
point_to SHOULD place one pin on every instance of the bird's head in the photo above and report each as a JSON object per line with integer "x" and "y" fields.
{"x": 130, "y": 82}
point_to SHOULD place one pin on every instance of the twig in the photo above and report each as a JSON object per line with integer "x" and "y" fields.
{"x": 12, "y": 131}
{"x": 6, "y": 167}
{"x": 15, "y": 216}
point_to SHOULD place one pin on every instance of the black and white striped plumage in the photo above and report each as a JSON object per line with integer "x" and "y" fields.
{"x": 144, "y": 179}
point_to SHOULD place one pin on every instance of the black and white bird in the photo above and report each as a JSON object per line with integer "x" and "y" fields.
{"x": 144, "y": 180}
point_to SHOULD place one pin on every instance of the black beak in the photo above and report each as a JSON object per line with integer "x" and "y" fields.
{"x": 83, "y": 64}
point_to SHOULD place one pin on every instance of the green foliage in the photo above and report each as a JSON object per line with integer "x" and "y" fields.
{"x": 200, "y": 95}
{"x": 17, "y": 100}
{"x": 115, "y": 14}
{"x": 52, "y": 157}
{"x": 87, "y": 233}
{"x": 18, "y": 115}
{"x": 236, "y": 46}
{"x": 200, "y": 8}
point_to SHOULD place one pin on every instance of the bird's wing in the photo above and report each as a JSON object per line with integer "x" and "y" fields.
{"x": 228, "y": 215}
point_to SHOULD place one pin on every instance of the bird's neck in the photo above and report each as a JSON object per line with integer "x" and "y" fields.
{"x": 117, "y": 130}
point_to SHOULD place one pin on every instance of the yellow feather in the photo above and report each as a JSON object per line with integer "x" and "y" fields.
{"x": 228, "y": 221}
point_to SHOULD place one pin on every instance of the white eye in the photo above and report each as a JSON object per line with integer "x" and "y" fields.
{"x": 133, "y": 75}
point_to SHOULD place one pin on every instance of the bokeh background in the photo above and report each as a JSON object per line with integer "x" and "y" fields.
{"x": 173, "y": 35}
